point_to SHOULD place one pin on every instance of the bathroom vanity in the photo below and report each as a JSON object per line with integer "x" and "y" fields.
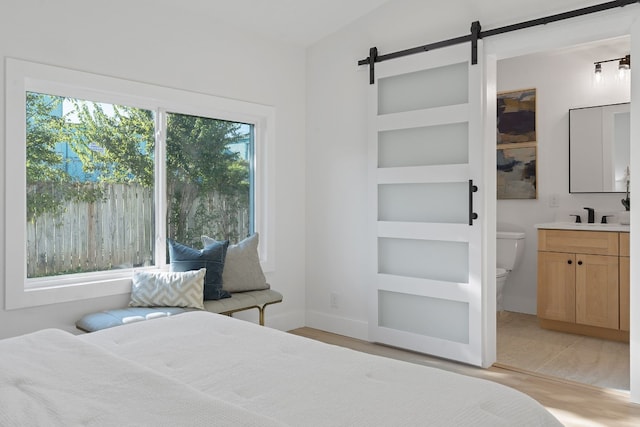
{"x": 583, "y": 279}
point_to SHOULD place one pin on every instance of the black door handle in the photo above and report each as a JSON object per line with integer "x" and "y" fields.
{"x": 472, "y": 214}
{"x": 579, "y": 262}
{"x": 569, "y": 262}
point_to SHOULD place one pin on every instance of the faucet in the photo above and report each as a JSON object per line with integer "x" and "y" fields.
{"x": 591, "y": 215}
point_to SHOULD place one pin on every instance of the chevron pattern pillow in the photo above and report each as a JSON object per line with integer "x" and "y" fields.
{"x": 168, "y": 289}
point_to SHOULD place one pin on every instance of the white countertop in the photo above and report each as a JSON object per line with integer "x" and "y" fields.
{"x": 583, "y": 226}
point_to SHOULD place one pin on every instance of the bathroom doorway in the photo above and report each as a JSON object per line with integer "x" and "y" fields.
{"x": 562, "y": 79}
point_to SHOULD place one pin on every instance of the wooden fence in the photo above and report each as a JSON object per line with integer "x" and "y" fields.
{"x": 112, "y": 233}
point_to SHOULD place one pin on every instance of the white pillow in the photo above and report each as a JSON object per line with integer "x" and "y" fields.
{"x": 242, "y": 271}
{"x": 168, "y": 289}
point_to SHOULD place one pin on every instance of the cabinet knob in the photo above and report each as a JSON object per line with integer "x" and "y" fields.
{"x": 579, "y": 262}
{"x": 569, "y": 262}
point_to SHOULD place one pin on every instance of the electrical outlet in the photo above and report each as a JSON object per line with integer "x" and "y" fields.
{"x": 554, "y": 201}
{"x": 333, "y": 300}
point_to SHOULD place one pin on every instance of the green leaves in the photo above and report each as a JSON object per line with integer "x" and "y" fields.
{"x": 206, "y": 181}
{"x": 75, "y": 148}
{"x": 117, "y": 147}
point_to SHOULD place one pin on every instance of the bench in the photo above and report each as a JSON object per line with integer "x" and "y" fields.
{"x": 239, "y": 301}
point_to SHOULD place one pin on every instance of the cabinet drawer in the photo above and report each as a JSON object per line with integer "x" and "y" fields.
{"x": 624, "y": 244}
{"x": 583, "y": 242}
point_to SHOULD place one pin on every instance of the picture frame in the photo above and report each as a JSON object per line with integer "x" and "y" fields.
{"x": 516, "y": 117}
{"x": 517, "y": 171}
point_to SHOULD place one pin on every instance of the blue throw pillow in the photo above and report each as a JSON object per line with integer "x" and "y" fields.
{"x": 184, "y": 258}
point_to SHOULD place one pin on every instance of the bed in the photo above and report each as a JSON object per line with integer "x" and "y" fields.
{"x": 202, "y": 368}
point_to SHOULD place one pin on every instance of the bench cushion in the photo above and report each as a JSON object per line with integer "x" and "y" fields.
{"x": 243, "y": 300}
{"x": 121, "y": 316}
{"x": 239, "y": 301}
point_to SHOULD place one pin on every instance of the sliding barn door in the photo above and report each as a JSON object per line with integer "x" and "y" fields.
{"x": 426, "y": 162}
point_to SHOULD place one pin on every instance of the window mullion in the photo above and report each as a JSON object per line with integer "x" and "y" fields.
{"x": 160, "y": 181}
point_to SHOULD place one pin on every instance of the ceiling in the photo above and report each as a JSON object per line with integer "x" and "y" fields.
{"x": 301, "y": 22}
{"x": 295, "y": 22}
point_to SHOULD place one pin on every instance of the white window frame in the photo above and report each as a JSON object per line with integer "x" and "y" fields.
{"x": 22, "y": 77}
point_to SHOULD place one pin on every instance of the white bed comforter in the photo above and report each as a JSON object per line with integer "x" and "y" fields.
{"x": 302, "y": 382}
{"x": 52, "y": 378}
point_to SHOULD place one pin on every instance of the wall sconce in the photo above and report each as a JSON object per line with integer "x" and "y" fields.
{"x": 598, "y": 73}
{"x": 624, "y": 68}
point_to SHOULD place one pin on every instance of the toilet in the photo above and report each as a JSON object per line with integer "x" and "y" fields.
{"x": 509, "y": 251}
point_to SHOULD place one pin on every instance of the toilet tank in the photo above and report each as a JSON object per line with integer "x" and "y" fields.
{"x": 509, "y": 249}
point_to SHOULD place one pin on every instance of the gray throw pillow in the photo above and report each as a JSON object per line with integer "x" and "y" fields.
{"x": 242, "y": 271}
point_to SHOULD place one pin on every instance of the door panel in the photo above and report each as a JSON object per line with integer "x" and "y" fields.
{"x": 415, "y": 202}
{"x": 446, "y": 85}
{"x": 421, "y": 315}
{"x": 556, "y": 286}
{"x": 425, "y": 145}
{"x": 425, "y": 259}
{"x": 597, "y": 290}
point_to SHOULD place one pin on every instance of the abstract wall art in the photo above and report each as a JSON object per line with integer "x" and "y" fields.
{"x": 517, "y": 144}
{"x": 516, "y": 173}
{"x": 517, "y": 116}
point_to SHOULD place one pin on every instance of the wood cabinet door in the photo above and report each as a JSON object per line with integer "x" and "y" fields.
{"x": 597, "y": 302}
{"x": 624, "y": 293}
{"x": 556, "y": 286}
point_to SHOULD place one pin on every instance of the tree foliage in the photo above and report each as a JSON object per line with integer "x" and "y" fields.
{"x": 199, "y": 166}
{"x": 117, "y": 147}
{"x": 207, "y": 184}
{"x": 49, "y": 185}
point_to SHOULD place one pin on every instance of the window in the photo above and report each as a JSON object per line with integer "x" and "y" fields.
{"x": 90, "y": 180}
{"x": 209, "y": 178}
{"x": 104, "y": 170}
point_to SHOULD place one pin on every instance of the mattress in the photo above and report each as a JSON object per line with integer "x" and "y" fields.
{"x": 297, "y": 381}
{"x": 52, "y": 378}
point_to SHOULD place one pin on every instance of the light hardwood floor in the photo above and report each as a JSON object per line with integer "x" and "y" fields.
{"x": 572, "y": 403}
{"x": 524, "y": 345}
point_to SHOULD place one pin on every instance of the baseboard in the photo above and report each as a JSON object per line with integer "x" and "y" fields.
{"x": 286, "y": 321}
{"x": 281, "y": 321}
{"x": 338, "y": 325}
{"x": 591, "y": 331}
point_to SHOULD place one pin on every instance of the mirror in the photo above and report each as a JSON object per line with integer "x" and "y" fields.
{"x": 599, "y": 139}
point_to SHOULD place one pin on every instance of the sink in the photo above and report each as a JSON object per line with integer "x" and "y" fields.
{"x": 584, "y": 225}
{"x": 594, "y": 224}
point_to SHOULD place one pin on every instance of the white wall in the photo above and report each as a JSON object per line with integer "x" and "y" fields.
{"x": 563, "y": 80}
{"x": 123, "y": 39}
{"x": 132, "y": 40}
{"x": 336, "y": 138}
